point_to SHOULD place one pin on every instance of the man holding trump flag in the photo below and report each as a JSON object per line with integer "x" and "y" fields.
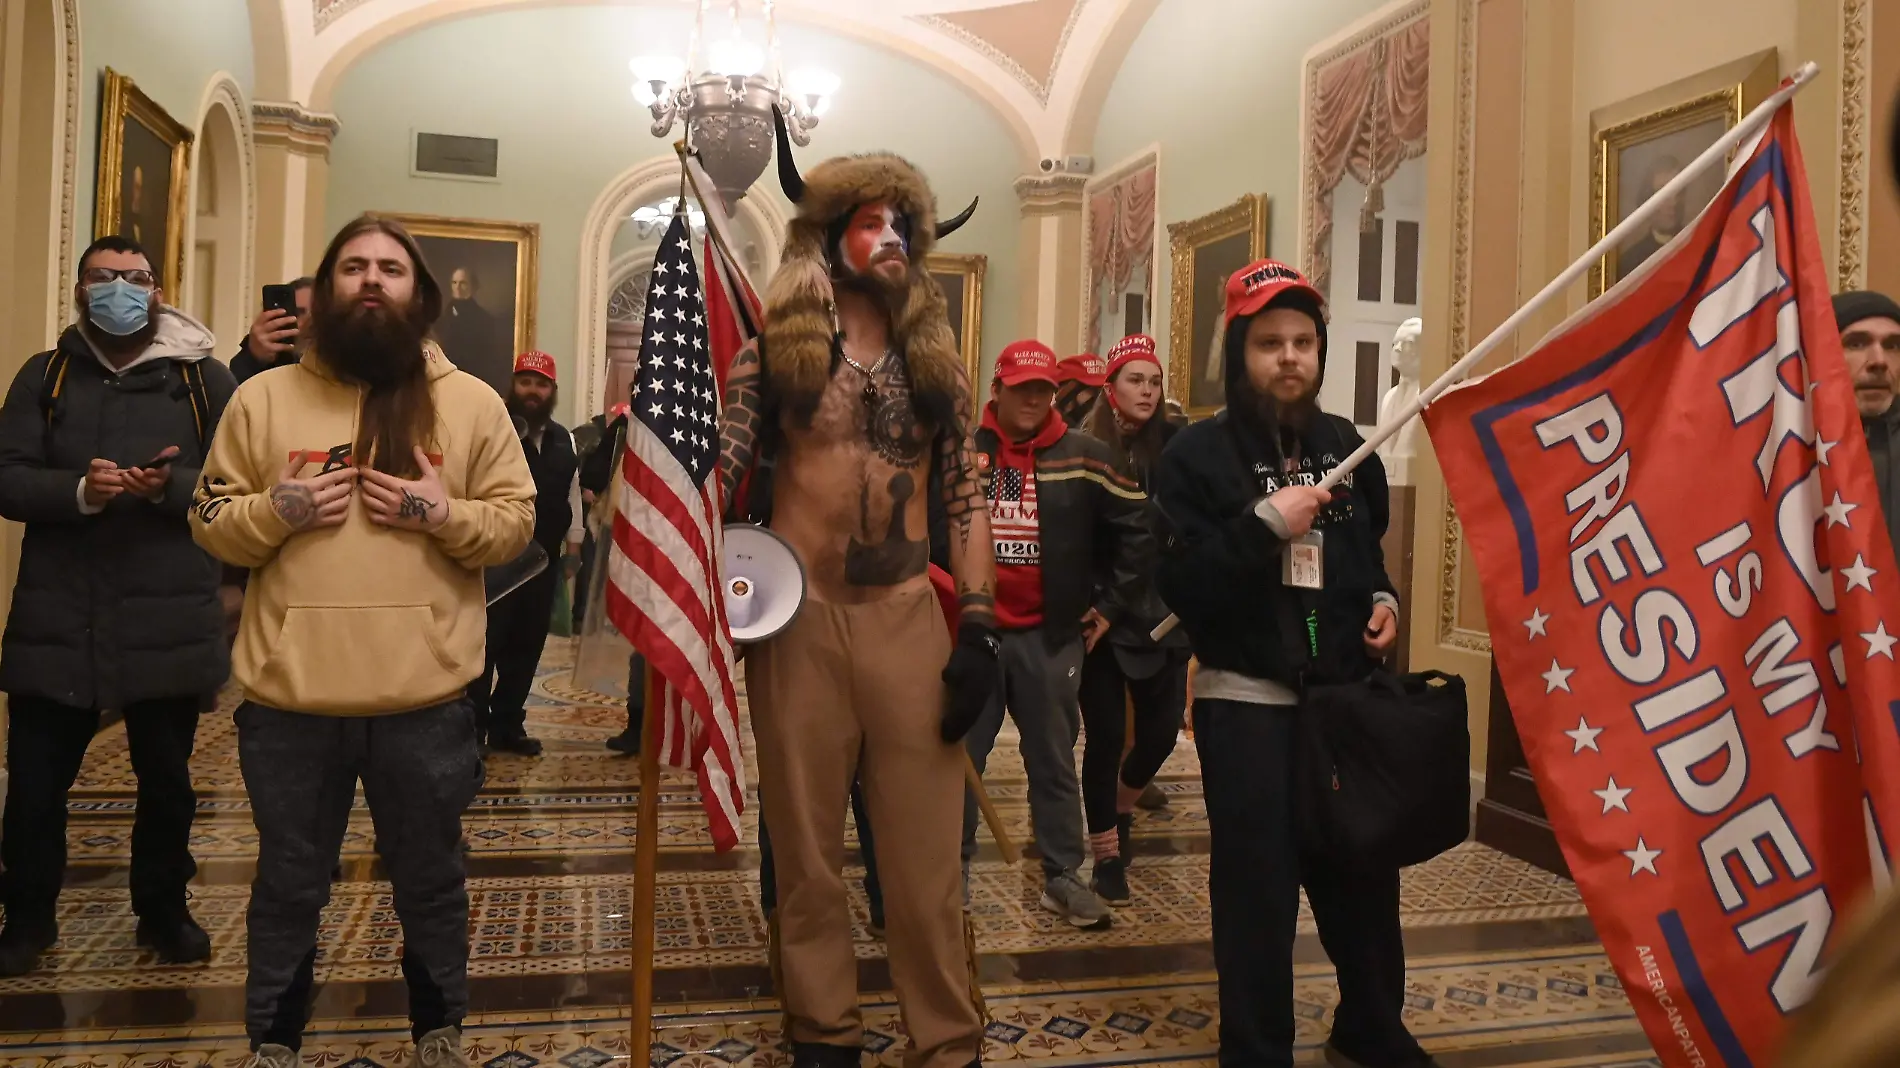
{"x": 1695, "y": 613}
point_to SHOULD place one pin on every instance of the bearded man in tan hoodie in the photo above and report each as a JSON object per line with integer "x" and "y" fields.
{"x": 365, "y": 487}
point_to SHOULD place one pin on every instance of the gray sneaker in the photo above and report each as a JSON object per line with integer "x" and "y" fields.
{"x": 441, "y": 1048}
{"x": 1068, "y": 898}
{"x": 271, "y": 1055}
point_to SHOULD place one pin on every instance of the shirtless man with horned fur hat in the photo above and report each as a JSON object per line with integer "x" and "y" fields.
{"x": 858, "y": 396}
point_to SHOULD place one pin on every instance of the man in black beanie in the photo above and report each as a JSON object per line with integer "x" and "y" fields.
{"x": 1870, "y": 337}
{"x": 1280, "y": 584}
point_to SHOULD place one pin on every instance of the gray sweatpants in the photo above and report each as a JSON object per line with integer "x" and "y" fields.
{"x": 420, "y": 770}
{"x": 1041, "y": 689}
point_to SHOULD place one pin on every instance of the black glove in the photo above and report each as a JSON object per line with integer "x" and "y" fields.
{"x": 970, "y": 678}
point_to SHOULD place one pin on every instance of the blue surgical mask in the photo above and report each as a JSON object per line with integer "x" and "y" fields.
{"x": 118, "y": 307}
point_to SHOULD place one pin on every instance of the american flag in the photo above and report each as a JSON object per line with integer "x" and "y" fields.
{"x": 1013, "y": 517}
{"x": 663, "y": 586}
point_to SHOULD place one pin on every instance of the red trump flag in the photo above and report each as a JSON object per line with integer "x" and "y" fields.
{"x": 1688, "y": 580}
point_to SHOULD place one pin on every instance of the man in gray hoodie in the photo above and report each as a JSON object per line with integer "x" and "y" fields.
{"x": 1870, "y": 336}
{"x": 101, "y": 440}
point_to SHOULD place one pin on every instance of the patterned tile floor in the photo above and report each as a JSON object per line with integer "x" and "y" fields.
{"x": 1504, "y": 969}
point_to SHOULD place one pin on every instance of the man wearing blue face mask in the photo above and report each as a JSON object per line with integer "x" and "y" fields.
{"x": 101, "y": 441}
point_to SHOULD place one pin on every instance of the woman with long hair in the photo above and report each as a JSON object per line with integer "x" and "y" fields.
{"x": 1128, "y": 663}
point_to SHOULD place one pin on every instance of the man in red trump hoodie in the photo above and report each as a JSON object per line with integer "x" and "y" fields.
{"x": 1055, "y": 487}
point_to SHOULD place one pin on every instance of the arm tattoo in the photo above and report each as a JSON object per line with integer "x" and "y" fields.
{"x": 293, "y": 504}
{"x": 965, "y": 499}
{"x": 741, "y": 421}
{"x": 414, "y": 507}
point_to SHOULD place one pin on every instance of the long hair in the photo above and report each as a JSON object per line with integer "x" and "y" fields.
{"x": 1132, "y": 454}
{"x": 400, "y": 415}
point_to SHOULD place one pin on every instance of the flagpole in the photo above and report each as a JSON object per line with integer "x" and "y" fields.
{"x": 1638, "y": 219}
{"x": 645, "y": 854}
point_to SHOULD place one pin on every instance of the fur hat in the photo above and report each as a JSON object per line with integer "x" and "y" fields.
{"x": 800, "y": 302}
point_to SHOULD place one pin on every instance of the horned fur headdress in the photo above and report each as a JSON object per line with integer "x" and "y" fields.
{"x": 800, "y": 322}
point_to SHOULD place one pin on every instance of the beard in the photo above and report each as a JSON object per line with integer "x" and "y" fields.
{"x": 378, "y": 346}
{"x": 887, "y": 293}
{"x": 1271, "y": 418}
{"x": 533, "y": 411}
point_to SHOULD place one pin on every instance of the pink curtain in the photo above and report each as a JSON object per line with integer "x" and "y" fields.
{"x": 1368, "y": 118}
{"x": 1121, "y": 238}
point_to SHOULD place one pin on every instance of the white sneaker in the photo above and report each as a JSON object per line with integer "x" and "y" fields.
{"x": 1068, "y": 898}
{"x": 441, "y": 1048}
{"x": 271, "y": 1055}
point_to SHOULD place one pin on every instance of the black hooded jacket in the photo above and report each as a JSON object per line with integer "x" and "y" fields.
{"x": 1220, "y": 568}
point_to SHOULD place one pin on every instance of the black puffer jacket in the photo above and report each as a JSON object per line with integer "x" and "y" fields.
{"x": 120, "y": 606}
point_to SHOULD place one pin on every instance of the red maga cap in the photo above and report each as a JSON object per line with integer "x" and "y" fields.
{"x": 1089, "y": 369}
{"x": 1026, "y": 361}
{"x": 1254, "y": 286}
{"x": 536, "y": 361}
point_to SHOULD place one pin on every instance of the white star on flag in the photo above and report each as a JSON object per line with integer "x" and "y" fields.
{"x": 1613, "y": 796}
{"x": 1585, "y": 736}
{"x": 662, "y": 266}
{"x": 1837, "y": 512}
{"x": 1535, "y": 624}
{"x": 1558, "y": 678}
{"x": 1879, "y": 643}
{"x": 1642, "y": 858}
{"x": 685, "y": 245}
{"x": 1859, "y": 575}
{"x": 1822, "y": 448}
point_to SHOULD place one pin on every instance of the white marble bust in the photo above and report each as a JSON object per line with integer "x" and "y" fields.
{"x": 1397, "y": 451}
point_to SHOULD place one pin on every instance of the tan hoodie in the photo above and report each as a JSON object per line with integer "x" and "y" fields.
{"x": 358, "y": 619}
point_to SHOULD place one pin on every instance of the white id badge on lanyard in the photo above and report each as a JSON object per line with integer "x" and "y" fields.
{"x": 1302, "y": 565}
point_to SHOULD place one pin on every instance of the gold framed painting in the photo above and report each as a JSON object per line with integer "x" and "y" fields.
{"x": 144, "y": 178}
{"x": 1204, "y": 253}
{"x": 488, "y": 274}
{"x": 1638, "y": 145}
{"x": 961, "y": 276}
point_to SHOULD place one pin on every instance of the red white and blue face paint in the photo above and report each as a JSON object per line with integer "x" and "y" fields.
{"x": 874, "y": 241}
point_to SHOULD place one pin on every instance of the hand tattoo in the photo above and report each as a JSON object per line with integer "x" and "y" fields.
{"x": 414, "y": 507}
{"x": 293, "y": 504}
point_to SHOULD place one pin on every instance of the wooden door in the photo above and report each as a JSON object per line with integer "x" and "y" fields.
{"x": 1511, "y": 816}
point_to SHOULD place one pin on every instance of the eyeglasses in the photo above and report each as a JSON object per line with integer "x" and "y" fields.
{"x": 98, "y": 276}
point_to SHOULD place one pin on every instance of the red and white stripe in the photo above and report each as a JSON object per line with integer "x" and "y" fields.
{"x": 663, "y": 593}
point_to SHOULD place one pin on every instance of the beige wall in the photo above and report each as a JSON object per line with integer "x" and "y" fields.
{"x": 1514, "y": 83}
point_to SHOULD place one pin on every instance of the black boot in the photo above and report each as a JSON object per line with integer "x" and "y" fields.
{"x": 1110, "y": 881}
{"x": 22, "y": 943}
{"x": 175, "y": 936}
{"x": 823, "y": 1055}
{"x": 520, "y": 744}
{"x": 627, "y": 741}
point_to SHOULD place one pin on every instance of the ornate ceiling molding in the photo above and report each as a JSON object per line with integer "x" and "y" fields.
{"x": 1051, "y": 194}
{"x": 291, "y": 126}
{"x": 324, "y": 12}
{"x": 1038, "y": 87}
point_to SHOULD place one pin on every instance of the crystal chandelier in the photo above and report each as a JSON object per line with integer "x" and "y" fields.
{"x": 726, "y": 99}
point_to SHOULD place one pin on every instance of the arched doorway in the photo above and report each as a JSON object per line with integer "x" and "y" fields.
{"x": 39, "y": 59}
{"x": 218, "y": 257}
{"x": 618, "y": 241}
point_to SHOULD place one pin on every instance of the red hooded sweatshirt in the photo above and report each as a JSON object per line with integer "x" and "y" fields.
{"x": 1013, "y": 522}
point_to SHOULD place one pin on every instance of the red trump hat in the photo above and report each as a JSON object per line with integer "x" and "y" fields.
{"x": 1254, "y": 286}
{"x": 1089, "y": 369}
{"x": 1026, "y": 361}
{"x": 1130, "y": 349}
{"x": 537, "y": 362}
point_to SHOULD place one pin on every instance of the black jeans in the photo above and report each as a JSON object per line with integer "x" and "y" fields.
{"x": 517, "y": 632}
{"x": 419, "y": 769}
{"x": 46, "y": 741}
{"x": 1160, "y": 699}
{"x": 1256, "y": 871}
{"x": 873, "y": 890}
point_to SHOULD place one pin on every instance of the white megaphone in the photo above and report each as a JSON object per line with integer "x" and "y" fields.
{"x": 763, "y": 582}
